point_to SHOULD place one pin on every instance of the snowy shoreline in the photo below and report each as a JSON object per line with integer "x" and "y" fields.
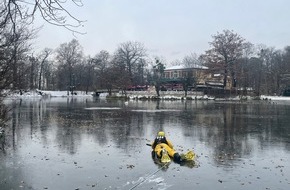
{"x": 135, "y": 95}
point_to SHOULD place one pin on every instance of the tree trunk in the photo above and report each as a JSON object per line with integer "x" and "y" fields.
{"x": 157, "y": 88}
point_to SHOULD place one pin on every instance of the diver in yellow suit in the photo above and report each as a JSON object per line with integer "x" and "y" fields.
{"x": 163, "y": 148}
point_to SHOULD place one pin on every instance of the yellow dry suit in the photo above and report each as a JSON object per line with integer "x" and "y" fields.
{"x": 162, "y": 143}
{"x": 161, "y": 146}
{"x": 163, "y": 149}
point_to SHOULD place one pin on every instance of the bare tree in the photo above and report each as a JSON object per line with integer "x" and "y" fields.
{"x": 132, "y": 55}
{"x": 226, "y": 49}
{"x": 118, "y": 75}
{"x": 14, "y": 47}
{"x": 245, "y": 70}
{"x": 50, "y": 76}
{"x": 158, "y": 70}
{"x": 256, "y": 75}
{"x": 42, "y": 65}
{"x": 33, "y": 74}
{"x": 68, "y": 56}
{"x": 273, "y": 69}
{"x": 191, "y": 60}
{"x": 15, "y": 17}
{"x": 194, "y": 71}
{"x": 52, "y": 11}
{"x": 102, "y": 62}
{"x": 286, "y": 68}
{"x": 286, "y": 59}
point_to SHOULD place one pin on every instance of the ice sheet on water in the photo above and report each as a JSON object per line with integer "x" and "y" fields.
{"x": 103, "y": 108}
{"x": 154, "y": 111}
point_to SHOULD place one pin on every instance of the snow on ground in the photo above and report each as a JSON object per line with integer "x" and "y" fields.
{"x": 45, "y": 93}
{"x": 274, "y": 98}
{"x": 63, "y": 93}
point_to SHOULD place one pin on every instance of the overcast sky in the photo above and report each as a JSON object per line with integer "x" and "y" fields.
{"x": 172, "y": 29}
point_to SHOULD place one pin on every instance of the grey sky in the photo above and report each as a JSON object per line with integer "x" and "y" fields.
{"x": 173, "y": 28}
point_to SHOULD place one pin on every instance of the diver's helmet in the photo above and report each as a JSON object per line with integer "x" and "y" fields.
{"x": 160, "y": 137}
{"x": 161, "y": 134}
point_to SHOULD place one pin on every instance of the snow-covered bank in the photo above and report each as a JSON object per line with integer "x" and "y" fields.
{"x": 191, "y": 96}
{"x": 137, "y": 95}
{"x": 64, "y": 93}
{"x": 275, "y": 98}
{"x": 44, "y": 93}
{"x": 168, "y": 97}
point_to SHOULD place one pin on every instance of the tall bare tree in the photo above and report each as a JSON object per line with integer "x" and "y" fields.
{"x": 43, "y": 65}
{"x": 226, "y": 48}
{"x": 243, "y": 66}
{"x": 68, "y": 56}
{"x": 286, "y": 65}
{"x": 158, "y": 70}
{"x": 132, "y": 55}
{"x": 14, "y": 50}
{"x": 273, "y": 69}
{"x": 102, "y": 62}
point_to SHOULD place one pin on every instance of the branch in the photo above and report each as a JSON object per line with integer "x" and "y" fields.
{"x": 52, "y": 11}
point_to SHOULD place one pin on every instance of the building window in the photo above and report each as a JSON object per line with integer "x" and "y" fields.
{"x": 184, "y": 74}
{"x": 175, "y": 75}
{"x": 166, "y": 75}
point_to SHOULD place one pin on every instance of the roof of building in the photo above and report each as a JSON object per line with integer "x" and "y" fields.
{"x": 180, "y": 67}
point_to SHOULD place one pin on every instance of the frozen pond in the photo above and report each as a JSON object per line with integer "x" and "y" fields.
{"x": 83, "y": 143}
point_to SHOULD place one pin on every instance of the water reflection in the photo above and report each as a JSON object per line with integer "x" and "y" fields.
{"x": 227, "y": 127}
{"x": 231, "y": 132}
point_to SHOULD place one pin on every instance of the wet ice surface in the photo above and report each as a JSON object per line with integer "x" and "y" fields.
{"x": 83, "y": 144}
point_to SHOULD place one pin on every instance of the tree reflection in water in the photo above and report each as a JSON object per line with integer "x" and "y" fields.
{"x": 223, "y": 134}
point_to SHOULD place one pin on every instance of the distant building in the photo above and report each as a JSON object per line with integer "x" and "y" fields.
{"x": 217, "y": 81}
{"x": 203, "y": 78}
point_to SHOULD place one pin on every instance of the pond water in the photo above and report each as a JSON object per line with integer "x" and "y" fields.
{"x": 86, "y": 143}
